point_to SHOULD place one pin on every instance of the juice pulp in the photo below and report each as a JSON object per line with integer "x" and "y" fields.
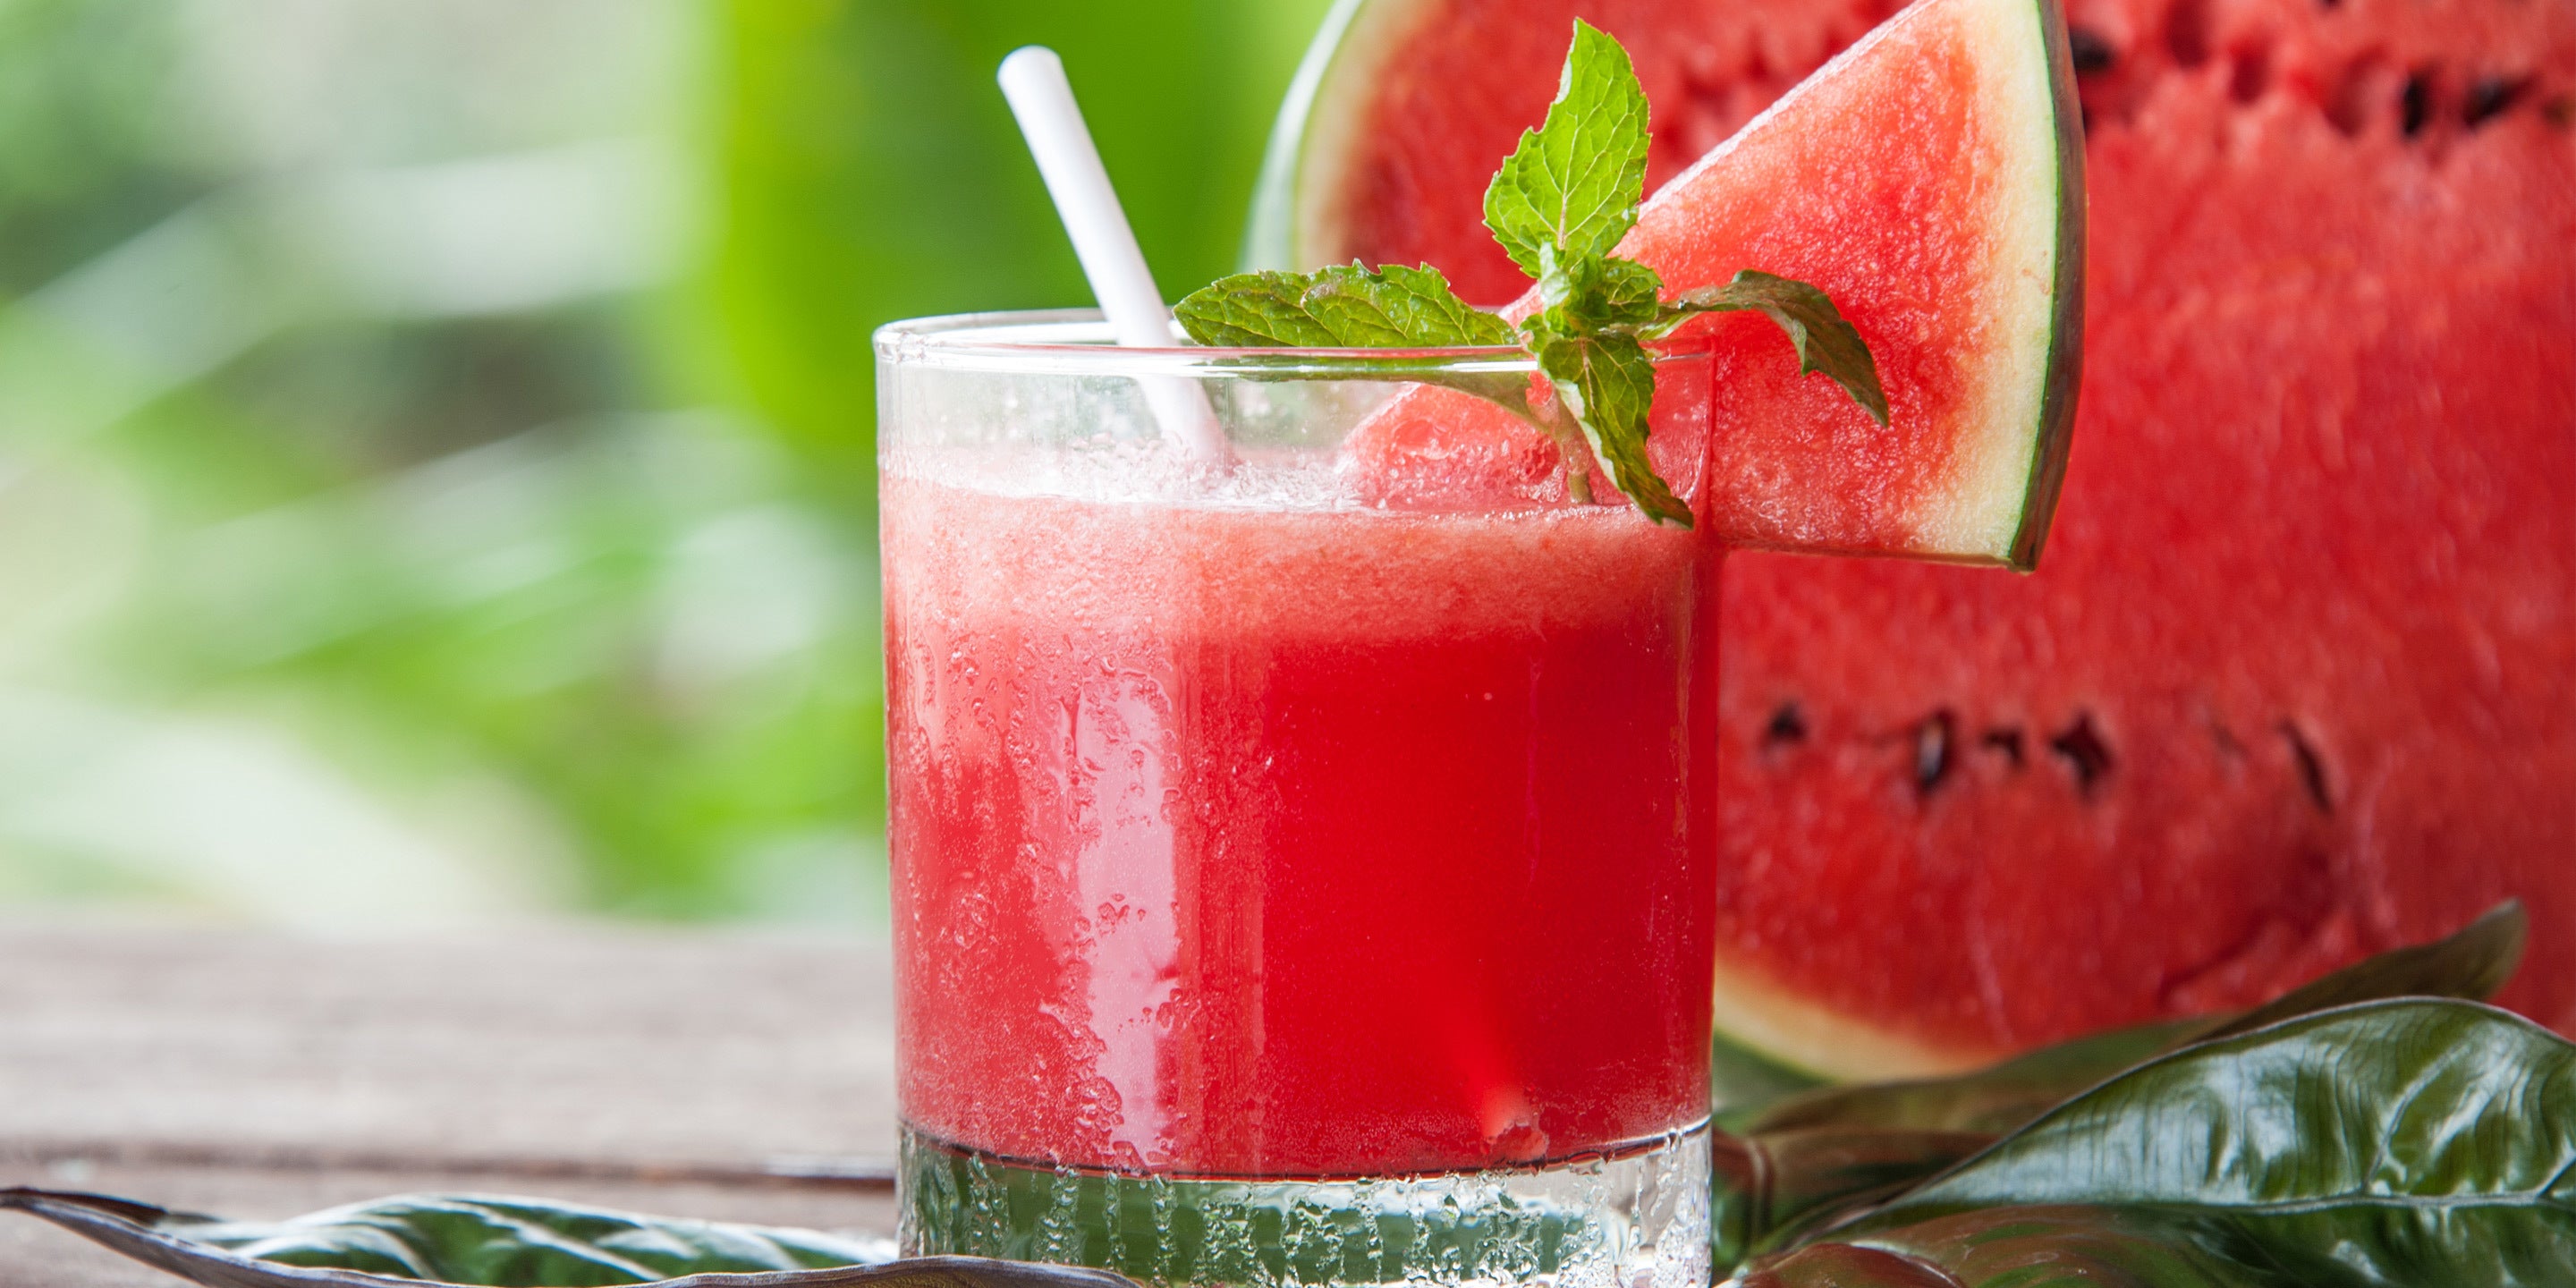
{"x": 1293, "y": 842}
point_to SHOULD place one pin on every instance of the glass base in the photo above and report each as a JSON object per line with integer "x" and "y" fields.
{"x": 1636, "y": 1218}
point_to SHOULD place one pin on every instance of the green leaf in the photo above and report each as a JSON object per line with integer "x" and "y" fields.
{"x": 1819, "y": 1155}
{"x": 507, "y": 1243}
{"x": 1573, "y": 184}
{"x": 1348, "y": 307}
{"x": 1606, "y": 382}
{"x": 2472, "y": 963}
{"x": 1815, "y": 1154}
{"x": 2025, "y": 1247}
{"x": 1744, "y": 1083}
{"x": 2399, "y": 1142}
{"x": 1825, "y": 342}
{"x": 1342, "y": 307}
{"x": 1771, "y": 1188}
{"x": 1599, "y": 292}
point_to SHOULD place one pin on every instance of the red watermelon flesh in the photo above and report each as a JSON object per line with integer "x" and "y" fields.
{"x": 2298, "y": 682}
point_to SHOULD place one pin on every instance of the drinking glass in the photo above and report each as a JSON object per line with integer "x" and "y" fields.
{"x": 1300, "y": 870}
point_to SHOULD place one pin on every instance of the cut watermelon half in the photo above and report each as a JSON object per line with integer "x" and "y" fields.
{"x": 1930, "y": 180}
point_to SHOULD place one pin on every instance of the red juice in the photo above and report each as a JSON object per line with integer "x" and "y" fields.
{"x": 1294, "y": 842}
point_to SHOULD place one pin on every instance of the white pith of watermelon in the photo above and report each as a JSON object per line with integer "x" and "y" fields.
{"x": 1930, "y": 182}
{"x": 2300, "y": 682}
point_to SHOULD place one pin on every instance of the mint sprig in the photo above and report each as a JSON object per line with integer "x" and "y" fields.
{"x": 1559, "y": 205}
{"x": 1607, "y": 382}
{"x": 1574, "y": 184}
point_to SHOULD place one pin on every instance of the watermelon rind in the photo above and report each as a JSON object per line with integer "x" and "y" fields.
{"x": 1804, "y": 1036}
{"x": 2065, "y": 372}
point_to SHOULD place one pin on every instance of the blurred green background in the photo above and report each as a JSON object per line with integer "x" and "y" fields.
{"x": 435, "y": 464}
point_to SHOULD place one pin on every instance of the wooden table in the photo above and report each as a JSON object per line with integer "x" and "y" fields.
{"x": 685, "y": 1073}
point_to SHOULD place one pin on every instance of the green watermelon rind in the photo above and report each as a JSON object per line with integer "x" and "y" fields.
{"x": 1270, "y": 236}
{"x": 2066, "y": 327}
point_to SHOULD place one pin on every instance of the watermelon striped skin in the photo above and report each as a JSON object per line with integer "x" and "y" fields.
{"x": 2298, "y": 682}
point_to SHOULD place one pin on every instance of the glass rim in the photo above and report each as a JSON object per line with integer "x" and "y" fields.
{"x": 1078, "y": 342}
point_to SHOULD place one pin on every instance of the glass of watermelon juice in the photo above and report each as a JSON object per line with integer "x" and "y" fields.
{"x": 1299, "y": 873}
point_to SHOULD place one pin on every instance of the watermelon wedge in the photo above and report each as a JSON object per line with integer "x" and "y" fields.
{"x": 2300, "y": 682}
{"x": 1931, "y": 181}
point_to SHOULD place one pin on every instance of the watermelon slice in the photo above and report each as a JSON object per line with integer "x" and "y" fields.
{"x": 1931, "y": 181}
{"x": 2300, "y": 682}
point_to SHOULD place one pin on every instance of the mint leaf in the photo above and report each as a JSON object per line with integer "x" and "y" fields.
{"x": 1606, "y": 382}
{"x": 1342, "y": 307}
{"x": 1254, "y": 311}
{"x": 1595, "y": 292}
{"x": 1348, "y": 307}
{"x": 1574, "y": 183}
{"x": 1825, "y": 342}
{"x": 1414, "y": 306}
{"x": 1585, "y": 341}
{"x": 1560, "y": 203}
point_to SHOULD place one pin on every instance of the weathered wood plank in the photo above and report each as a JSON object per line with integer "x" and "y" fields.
{"x": 258, "y": 1076}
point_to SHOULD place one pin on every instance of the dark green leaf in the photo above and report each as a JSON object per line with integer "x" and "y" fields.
{"x": 1606, "y": 383}
{"x": 2472, "y": 963}
{"x": 509, "y": 1243}
{"x": 2400, "y": 1142}
{"x": 1770, "y": 1188}
{"x": 1928, "y": 1124}
{"x": 1825, "y": 342}
{"x": 1826, "y": 1152}
{"x": 504, "y": 1241}
{"x": 1342, "y": 307}
{"x": 2027, "y": 1247}
{"x": 1743, "y": 1083}
{"x": 1574, "y": 183}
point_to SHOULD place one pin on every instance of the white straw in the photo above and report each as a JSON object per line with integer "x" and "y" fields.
{"x": 1033, "y": 80}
